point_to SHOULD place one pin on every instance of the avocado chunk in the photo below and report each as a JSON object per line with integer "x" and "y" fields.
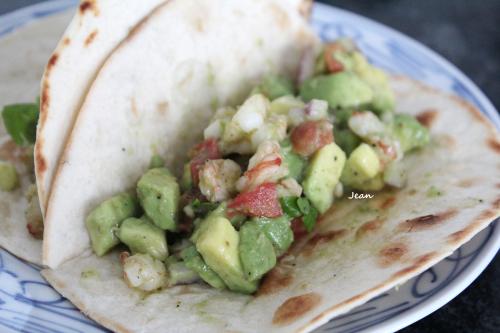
{"x": 179, "y": 273}
{"x": 159, "y": 194}
{"x": 186, "y": 179}
{"x": 278, "y": 231}
{"x": 295, "y": 163}
{"x": 353, "y": 179}
{"x": 256, "y": 251}
{"x": 218, "y": 244}
{"x": 409, "y": 132}
{"x": 322, "y": 175}
{"x": 364, "y": 160}
{"x": 274, "y": 86}
{"x": 195, "y": 262}
{"x": 9, "y": 180}
{"x": 340, "y": 90}
{"x": 346, "y": 140}
{"x": 156, "y": 162}
{"x": 383, "y": 96}
{"x": 106, "y": 218}
{"x": 142, "y": 236}
{"x": 284, "y": 104}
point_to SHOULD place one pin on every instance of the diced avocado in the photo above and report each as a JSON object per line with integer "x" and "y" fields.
{"x": 201, "y": 227}
{"x": 322, "y": 175}
{"x": 142, "y": 236}
{"x": 256, "y": 251}
{"x": 295, "y": 163}
{"x": 383, "y": 96}
{"x": 409, "y": 132}
{"x": 186, "y": 180}
{"x": 278, "y": 231}
{"x": 9, "y": 179}
{"x": 340, "y": 90}
{"x": 218, "y": 245}
{"x": 273, "y": 87}
{"x": 355, "y": 180}
{"x": 364, "y": 160}
{"x": 106, "y": 218}
{"x": 156, "y": 162}
{"x": 284, "y": 104}
{"x": 179, "y": 272}
{"x": 346, "y": 140}
{"x": 195, "y": 262}
{"x": 342, "y": 117}
{"x": 158, "y": 194}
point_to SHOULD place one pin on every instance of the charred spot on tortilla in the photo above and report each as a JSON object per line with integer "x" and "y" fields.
{"x": 419, "y": 262}
{"x": 44, "y": 100}
{"x": 412, "y": 192}
{"x": 369, "y": 227}
{"x": 41, "y": 163}
{"x": 487, "y": 214}
{"x": 277, "y": 279}
{"x": 427, "y": 117}
{"x": 388, "y": 203}
{"x": 322, "y": 238}
{"x": 469, "y": 182}
{"x": 295, "y": 307}
{"x": 425, "y": 258}
{"x": 89, "y": 5}
{"x": 90, "y": 38}
{"x": 392, "y": 253}
{"x": 494, "y": 144}
{"x": 67, "y": 41}
{"x": 426, "y": 221}
{"x": 496, "y": 203}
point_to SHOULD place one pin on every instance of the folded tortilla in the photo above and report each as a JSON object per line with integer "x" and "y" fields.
{"x": 71, "y": 68}
{"x": 360, "y": 248}
{"x": 157, "y": 91}
{"x": 26, "y": 51}
{"x": 155, "y": 94}
{"x": 97, "y": 27}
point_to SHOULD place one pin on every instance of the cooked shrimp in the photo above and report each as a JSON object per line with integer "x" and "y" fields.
{"x": 218, "y": 179}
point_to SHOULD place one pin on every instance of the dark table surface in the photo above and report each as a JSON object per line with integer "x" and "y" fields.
{"x": 467, "y": 33}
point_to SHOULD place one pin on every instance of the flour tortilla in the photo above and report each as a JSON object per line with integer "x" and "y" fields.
{"x": 97, "y": 27}
{"x": 359, "y": 250}
{"x": 156, "y": 93}
{"x": 24, "y": 54}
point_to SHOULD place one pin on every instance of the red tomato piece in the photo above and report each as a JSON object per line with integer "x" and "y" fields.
{"x": 202, "y": 152}
{"x": 310, "y": 136}
{"x": 262, "y": 201}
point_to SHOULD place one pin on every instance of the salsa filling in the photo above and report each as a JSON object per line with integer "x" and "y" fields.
{"x": 264, "y": 173}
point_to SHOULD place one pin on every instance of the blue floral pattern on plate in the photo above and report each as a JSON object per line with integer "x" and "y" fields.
{"x": 29, "y": 304}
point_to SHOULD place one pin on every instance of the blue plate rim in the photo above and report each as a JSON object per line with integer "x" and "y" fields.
{"x": 51, "y": 7}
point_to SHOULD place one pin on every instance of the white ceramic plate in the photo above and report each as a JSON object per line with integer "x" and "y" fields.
{"x": 29, "y": 304}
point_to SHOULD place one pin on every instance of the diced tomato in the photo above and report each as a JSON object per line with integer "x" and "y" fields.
{"x": 202, "y": 152}
{"x": 298, "y": 228}
{"x": 310, "y": 136}
{"x": 332, "y": 64}
{"x": 262, "y": 201}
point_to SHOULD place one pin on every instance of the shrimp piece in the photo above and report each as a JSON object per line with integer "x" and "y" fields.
{"x": 218, "y": 179}
{"x": 141, "y": 271}
{"x": 265, "y": 166}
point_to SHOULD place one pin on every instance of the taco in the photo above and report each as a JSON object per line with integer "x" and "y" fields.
{"x": 210, "y": 178}
{"x": 85, "y": 44}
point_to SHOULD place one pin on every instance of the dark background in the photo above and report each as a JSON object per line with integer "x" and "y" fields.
{"x": 466, "y": 32}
